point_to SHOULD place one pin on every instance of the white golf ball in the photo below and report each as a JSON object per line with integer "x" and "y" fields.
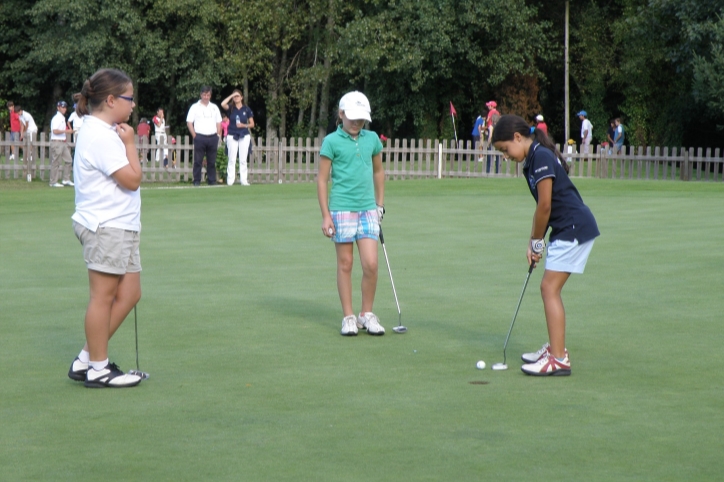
{"x": 331, "y": 230}
{"x": 480, "y": 365}
{"x": 280, "y": 181}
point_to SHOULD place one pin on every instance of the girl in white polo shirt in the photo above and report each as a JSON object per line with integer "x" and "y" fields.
{"x": 107, "y": 220}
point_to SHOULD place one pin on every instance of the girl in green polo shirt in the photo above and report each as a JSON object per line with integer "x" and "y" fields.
{"x": 352, "y": 209}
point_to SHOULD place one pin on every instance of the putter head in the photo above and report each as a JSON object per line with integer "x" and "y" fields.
{"x": 399, "y": 329}
{"x": 499, "y": 367}
{"x": 143, "y": 375}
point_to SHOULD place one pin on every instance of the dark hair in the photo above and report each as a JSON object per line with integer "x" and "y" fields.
{"x": 508, "y": 125}
{"x": 158, "y": 109}
{"x": 18, "y": 107}
{"x": 237, "y": 91}
{"x": 10, "y": 103}
{"x": 96, "y": 90}
{"x": 205, "y": 89}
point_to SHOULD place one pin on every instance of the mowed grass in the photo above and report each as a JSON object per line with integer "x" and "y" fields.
{"x": 250, "y": 379}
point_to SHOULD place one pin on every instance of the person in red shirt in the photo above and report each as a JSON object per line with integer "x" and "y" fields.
{"x": 144, "y": 136}
{"x": 540, "y": 124}
{"x": 14, "y": 127}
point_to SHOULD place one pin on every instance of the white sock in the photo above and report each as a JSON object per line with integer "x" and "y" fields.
{"x": 84, "y": 356}
{"x": 99, "y": 365}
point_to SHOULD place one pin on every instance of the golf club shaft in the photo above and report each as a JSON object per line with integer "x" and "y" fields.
{"x": 389, "y": 270}
{"x": 520, "y": 300}
{"x": 135, "y": 324}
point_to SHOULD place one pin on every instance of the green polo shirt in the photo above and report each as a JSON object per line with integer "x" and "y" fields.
{"x": 352, "y": 183}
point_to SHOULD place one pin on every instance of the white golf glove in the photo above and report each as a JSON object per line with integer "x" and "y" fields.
{"x": 380, "y": 211}
{"x": 538, "y": 246}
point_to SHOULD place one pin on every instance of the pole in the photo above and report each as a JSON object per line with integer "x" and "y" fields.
{"x": 568, "y": 109}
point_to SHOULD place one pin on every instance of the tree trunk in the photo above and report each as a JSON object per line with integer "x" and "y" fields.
{"x": 324, "y": 99}
{"x": 282, "y": 96}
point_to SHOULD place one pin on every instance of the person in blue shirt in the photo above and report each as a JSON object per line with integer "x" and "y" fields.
{"x": 238, "y": 136}
{"x": 559, "y": 207}
{"x": 477, "y": 130}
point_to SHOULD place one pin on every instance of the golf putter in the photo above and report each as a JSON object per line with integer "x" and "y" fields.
{"x": 399, "y": 328}
{"x": 137, "y": 371}
{"x": 503, "y": 366}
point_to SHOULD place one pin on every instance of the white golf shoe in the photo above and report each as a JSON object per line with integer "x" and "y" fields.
{"x": 548, "y": 365}
{"x": 110, "y": 376}
{"x": 371, "y": 323}
{"x": 349, "y": 326}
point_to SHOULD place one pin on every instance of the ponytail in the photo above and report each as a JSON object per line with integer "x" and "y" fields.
{"x": 81, "y": 99}
{"x": 546, "y": 141}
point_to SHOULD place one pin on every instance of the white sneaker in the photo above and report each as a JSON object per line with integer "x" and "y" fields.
{"x": 534, "y": 357}
{"x": 548, "y": 365}
{"x": 371, "y": 323}
{"x": 12, "y": 156}
{"x": 68, "y": 183}
{"x": 57, "y": 184}
{"x": 349, "y": 326}
{"x": 111, "y": 376}
{"x": 30, "y": 178}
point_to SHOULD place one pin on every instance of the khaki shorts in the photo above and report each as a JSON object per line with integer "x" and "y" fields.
{"x": 110, "y": 250}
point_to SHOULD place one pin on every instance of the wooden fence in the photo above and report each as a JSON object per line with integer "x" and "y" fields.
{"x": 294, "y": 160}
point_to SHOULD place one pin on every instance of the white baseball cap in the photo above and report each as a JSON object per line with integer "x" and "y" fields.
{"x": 355, "y": 106}
{"x": 539, "y": 118}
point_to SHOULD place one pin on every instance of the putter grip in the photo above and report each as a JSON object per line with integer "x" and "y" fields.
{"x": 382, "y": 238}
{"x": 530, "y": 269}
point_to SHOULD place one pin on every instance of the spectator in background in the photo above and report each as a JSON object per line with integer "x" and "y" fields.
{"x": 490, "y": 122}
{"x": 478, "y": 131}
{"x": 76, "y": 121}
{"x": 204, "y": 124}
{"x": 241, "y": 120}
{"x": 224, "y": 126}
{"x": 586, "y": 132}
{"x": 28, "y": 131}
{"x": 619, "y": 136}
{"x": 14, "y": 128}
{"x": 159, "y": 123}
{"x": 144, "y": 137}
{"x": 610, "y": 134}
{"x": 540, "y": 124}
{"x": 59, "y": 149}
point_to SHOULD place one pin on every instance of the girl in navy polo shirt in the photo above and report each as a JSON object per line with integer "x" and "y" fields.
{"x": 573, "y": 229}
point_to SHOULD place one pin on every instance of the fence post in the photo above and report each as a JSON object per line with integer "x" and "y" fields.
{"x": 439, "y": 160}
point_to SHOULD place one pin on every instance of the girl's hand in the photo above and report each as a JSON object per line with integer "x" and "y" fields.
{"x": 125, "y": 132}
{"x": 532, "y": 257}
{"x": 328, "y": 227}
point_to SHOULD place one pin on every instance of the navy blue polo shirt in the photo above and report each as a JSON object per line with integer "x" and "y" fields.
{"x": 570, "y": 219}
{"x": 244, "y": 113}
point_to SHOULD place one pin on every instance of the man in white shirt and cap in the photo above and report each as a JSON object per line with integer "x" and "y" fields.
{"x": 59, "y": 149}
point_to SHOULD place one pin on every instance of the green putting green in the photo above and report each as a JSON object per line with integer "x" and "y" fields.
{"x": 250, "y": 379}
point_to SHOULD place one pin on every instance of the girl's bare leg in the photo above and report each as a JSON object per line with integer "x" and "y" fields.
{"x": 368, "y": 257}
{"x": 344, "y": 276}
{"x": 550, "y": 288}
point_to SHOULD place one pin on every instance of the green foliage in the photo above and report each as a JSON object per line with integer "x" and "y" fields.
{"x": 295, "y": 58}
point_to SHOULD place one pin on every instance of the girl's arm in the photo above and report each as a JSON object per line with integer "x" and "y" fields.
{"x": 378, "y": 176}
{"x": 325, "y": 167}
{"x": 225, "y": 102}
{"x": 129, "y": 176}
{"x": 249, "y": 123}
{"x": 541, "y": 216}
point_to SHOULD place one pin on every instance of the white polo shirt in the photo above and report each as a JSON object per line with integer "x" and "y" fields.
{"x": 587, "y": 126}
{"x": 57, "y": 123}
{"x": 160, "y": 128}
{"x": 28, "y": 122}
{"x": 99, "y": 199}
{"x": 76, "y": 121}
{"x": 204, "y": 118}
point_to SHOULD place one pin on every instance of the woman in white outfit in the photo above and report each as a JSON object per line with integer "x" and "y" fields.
{"x": 241, "y": 120}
